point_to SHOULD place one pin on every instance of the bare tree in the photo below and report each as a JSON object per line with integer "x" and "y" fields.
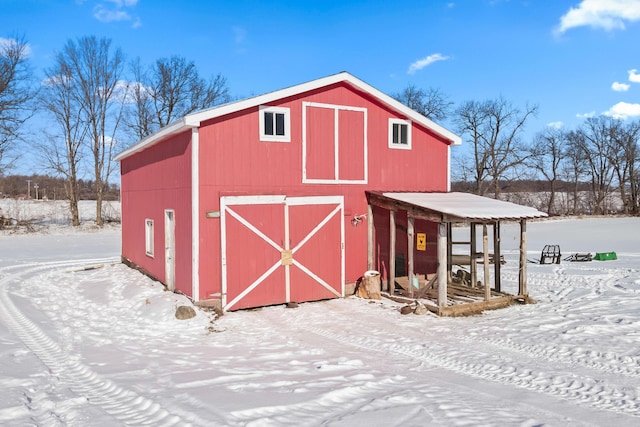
{"x": 597, "y": 147}
{"x": 16, "y": 93}
{"x": 574, "y": 169}
{"x": 431, "y": 103}
{"x": 140, "y": 118}
{"x": 62, "y": 152}
{"x": 494, "y": 127}
{"x": 546, "y": 157}
{"x": 470, "y": 118}
{"x": 168, "y": 90}
{"x": 97, "y": 68}
{"x": 624, "y": 159}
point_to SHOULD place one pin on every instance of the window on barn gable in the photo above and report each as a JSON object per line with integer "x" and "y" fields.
{"x": 148, "y": 237}
{"x": 400, "y": 134}
{"x": 275, "y": 124}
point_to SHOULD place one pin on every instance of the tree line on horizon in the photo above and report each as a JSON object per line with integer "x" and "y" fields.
{"x": 590, "y": 167}
{"x": 98, "y": 102}
{"x": 49, "y": 187}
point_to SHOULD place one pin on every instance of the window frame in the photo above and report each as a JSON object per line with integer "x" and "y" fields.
{"x": 399, "y": 145}
{"x": 149, "y": 240}
{"x": 264, "y": 137}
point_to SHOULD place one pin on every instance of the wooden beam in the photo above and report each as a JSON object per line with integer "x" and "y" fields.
{"x": 410, "y": 240}
{"x": 392, "y": 252}
{"x": 497, "y": 256}
{"x": 442, "y": 264}
{"x": 370, "y": 244}
{"x": 449, "y": 250}
{"x": 485, "y": 255}
{"x": 417, "y": 212}
{"x": 475, "y": 307}
{"x": 473, "y": 267}
{"x": 522, "y": 276}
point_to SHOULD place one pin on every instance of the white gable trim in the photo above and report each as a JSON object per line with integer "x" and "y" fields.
{"x": 151, "y": 140}
{"x": 194, "y": 120}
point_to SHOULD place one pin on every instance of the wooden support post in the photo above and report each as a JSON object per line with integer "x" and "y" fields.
{"x": 449, "y": 250}
{"x": 392, "y": 252}
{"x": 485, "y": 258}
{"x": 442, "y": 264}
{"x": 370, "y": 244}
{"x": 497, "y": 256}
{"x": 410, "y": 241}
{"x": 522, "y": 279}
{"x": 473, "y": 265}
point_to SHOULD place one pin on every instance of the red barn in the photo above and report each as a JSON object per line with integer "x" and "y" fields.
{"x": 258, "y": 201}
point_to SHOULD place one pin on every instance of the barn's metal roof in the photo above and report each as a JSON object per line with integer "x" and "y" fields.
{"x": 193, "y": 120}
{"x": 462, "y": 206}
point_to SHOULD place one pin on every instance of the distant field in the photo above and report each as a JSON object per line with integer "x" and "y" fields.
{"x": 56, "y": 212}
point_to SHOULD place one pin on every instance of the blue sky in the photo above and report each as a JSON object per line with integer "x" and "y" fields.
{"x": 573, "y": 58}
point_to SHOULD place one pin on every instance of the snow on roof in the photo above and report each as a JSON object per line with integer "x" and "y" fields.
{"x": 193, "y": 120}
{"x": 467, "y": 206}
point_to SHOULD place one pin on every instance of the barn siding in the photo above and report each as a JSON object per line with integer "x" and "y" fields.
{"x": 157, "y": 179}
{"x": 233, "y": 161}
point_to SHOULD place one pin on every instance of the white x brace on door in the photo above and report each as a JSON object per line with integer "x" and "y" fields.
{"x": 277, "y": 249}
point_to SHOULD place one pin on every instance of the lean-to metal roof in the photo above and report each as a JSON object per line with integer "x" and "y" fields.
{"x": 458, "y": 206}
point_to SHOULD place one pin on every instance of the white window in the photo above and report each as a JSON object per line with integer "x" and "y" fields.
{"x": 148, "y": 236}
{"x": 400, "y": 134}
{"x": 275, "y": 124}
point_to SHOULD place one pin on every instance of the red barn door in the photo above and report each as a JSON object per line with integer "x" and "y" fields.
{"x": 278, "y": 249}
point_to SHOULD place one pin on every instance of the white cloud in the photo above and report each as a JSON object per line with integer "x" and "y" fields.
{"x": 421, "y": 63}
{"x": 105, "y": 15}
{"x": 125, "y": 91}
{"x": 623, "y": 110}
{"x": 115, "y": 11}
{"x": 586, "y": 115}
{"x": 620, "y": 87}
{"x": 555, "y": 125}
{"x": 633, "y": 76}
{"x": 605, "y": 14}
{"x": 239, "y": 34}
{"x": 8, "y": 43}
{"x": 123, "y": 3}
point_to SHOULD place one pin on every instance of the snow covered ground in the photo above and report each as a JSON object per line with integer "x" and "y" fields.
{"x": 87, "y": 341}
{"x": 55, "y": 213}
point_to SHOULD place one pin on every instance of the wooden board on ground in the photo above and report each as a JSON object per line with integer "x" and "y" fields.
{"x": 423, "y": 280}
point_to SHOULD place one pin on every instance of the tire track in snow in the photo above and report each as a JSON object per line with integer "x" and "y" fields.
{"x": 606, "y": 362}
{"x": 580, "y": 388}
{"x": 602, "y": 361}
{"x": 378, "y": 395}
{"x": 330, "y": 406}
{"x": 124, "y": 405}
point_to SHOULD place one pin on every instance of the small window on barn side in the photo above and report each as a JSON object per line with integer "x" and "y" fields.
{"x": 148, "y": 236}
{"x": 275, "y": 124}
{"x": 400, "y": 134}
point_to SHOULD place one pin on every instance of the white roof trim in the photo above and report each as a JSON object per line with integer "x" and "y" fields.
{"x": 171, "y": 129}
{"x": 194, "y": 120}
{"x": 467, "y": 206}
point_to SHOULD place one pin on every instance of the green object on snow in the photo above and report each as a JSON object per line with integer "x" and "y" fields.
{"x": 605, "y": 256}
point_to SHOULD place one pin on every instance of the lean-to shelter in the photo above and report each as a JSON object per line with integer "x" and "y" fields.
{"x": 428, "y": 217}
